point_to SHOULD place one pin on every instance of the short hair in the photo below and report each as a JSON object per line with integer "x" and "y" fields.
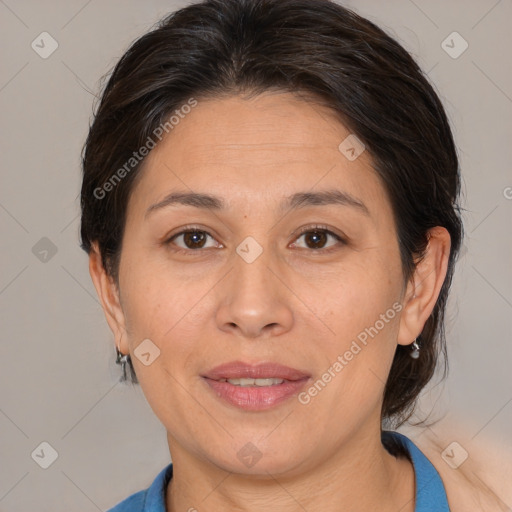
{"x": 319, "y": 50}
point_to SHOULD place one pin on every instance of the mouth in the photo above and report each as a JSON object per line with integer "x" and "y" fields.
{"x": 238, "y": 370}
{"x": 255, "y": 387}
{"x": 244, "y": 383}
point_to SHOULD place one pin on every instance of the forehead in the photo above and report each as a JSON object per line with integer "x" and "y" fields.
{"x": 253, "y": 149}
{"x": 267, "y": 128}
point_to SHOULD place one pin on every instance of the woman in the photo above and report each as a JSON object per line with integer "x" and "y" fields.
{"x": 270, "y": 208}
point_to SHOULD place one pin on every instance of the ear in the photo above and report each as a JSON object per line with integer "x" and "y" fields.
{"x": 424, "y": 286}
{"x": 108, "y": 294}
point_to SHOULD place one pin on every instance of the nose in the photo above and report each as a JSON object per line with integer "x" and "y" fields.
{"x": 254, "y": 300}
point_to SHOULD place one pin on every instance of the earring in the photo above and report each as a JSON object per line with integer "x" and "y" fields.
{"x": 415, "y": 352}
{"x": 122, "y": 359}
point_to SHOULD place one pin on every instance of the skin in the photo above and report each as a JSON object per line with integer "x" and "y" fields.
{"x": 482, "y": 481}
{"x": 295, "y": 304}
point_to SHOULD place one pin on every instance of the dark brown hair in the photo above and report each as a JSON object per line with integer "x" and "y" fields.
{"x": 312, "y": 47}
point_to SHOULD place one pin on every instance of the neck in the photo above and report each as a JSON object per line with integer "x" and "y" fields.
{"x": 360, "y": 475}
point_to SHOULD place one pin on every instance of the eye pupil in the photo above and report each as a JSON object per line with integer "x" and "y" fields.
{"x": 314, "y": 238}
{"x": 319, "y": 238}
{"x": 194, "y": 237}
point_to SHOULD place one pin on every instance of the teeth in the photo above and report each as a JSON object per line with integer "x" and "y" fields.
{"x": 254, "y": 382}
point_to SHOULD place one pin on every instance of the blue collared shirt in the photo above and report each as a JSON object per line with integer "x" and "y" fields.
{"x": 430, "y": 492}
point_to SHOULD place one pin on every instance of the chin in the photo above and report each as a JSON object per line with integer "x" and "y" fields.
{"x": 259, "y": 462}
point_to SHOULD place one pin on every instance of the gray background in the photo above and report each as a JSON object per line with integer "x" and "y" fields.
{"x": 58, "y": 379}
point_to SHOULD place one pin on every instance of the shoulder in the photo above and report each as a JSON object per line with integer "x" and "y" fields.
{"x": 151, "y": 499}
{"x": 474, "y": 477}
{"x": 430, "y": 492}
{"x": 134, "y": 503}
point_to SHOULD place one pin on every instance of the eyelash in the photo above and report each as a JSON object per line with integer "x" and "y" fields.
{"x": 308, "y": 229}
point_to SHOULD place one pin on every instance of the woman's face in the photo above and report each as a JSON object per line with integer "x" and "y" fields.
{"x": 249, "y": 288}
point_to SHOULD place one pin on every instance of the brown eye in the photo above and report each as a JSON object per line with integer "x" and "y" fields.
{"x": 193, "y": 239}
{"x": 316, "y": 238}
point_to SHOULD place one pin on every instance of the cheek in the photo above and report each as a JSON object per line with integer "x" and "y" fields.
{"x": 162, "y": 310}
{"x": 363, "y": 311}
{"x": 350, "y": 381}
{"x": 157, "y": 295}
{"x": 355, "y": 295}
{"x": 171, "y": 312}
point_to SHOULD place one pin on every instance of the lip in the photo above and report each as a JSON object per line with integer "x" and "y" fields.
{"x": 255, "y": 398}
{"x": 264, "y": 370}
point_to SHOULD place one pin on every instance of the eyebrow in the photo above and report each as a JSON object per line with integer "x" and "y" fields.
{"x": 293, "y": 202}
